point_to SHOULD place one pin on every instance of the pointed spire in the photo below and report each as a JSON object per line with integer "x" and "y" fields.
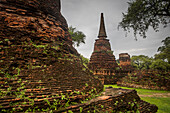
{"x": 102, "y": 31}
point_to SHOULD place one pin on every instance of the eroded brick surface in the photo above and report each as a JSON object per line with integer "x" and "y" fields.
{"x": 35, "y": 45}
{"x": 102, "y": 60}
{"x": 115, "y": 100}
{"x": 146, "y": 79}
{"x": 125, "y": 62}
{"x": 39, "y": 66}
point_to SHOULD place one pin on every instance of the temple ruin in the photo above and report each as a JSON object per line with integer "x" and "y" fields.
{"x": 125, "y": 62}
{"x": 102, "y": 60}
{"x": 40, "y": 70}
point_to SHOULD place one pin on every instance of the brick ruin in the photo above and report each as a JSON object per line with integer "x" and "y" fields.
{"x": 114, "y": 100}
{"x": 41, "y": 71}
{"x": 125, "y": 62}
{"x": 146, "y": 79}
{"x": 102, "y": 60}
{"x": 37, "y": 59}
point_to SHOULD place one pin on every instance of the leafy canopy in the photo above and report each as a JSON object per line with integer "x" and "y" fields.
{"x": 144, "y": 13}
{"x": 161, "y": 61}
{"x": 77, "y": 36}
{"x": 159, "y": 64}
{"x": 164, "y": 50}
{"x": 141, "y": 62}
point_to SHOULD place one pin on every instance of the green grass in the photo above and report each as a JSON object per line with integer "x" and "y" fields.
{"x": 141, "y": 91}
{"x": 163, "y": 103}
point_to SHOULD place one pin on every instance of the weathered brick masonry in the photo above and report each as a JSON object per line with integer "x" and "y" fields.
{"x": 36, "y": 45}
{"x": 39, "y": 66}
{"x": 102, "y": 60}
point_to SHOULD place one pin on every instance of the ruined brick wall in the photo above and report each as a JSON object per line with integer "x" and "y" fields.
{"x": 39, "y": 67}
{"x": 146, "y": 80}
{"x": 124, "y": 59}
{"x": 27, "y": 26}
{"x": 102, "y": 45}
{"x": 111, "y": 79}
{"x": 102, "y": 60}
{"x": 102, "y": 56}
{"x": 120, "y": 100}
{"x": 37, "y": 58}
{"x": 125, "y": 62}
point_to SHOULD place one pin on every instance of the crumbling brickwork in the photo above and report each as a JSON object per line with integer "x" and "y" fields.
{"x": 38, "y": 64}
{"x": 102, "y": 60}
{"x": 125, "y": 62}
{"x": 146, "y": 79}
{"x": 114, "y": 101}
{"x": 40, "y": 71}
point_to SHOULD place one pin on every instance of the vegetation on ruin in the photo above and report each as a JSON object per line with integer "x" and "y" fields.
{"x": 41, "y": 71}
{"x": 85, "y": 61}
{"x": 150, "y": 72}
{"x": 157, "y": 97}
{"x": 142, "y": 14}
{"x": 16, "y": 88}
{"x": 60, "y": 101}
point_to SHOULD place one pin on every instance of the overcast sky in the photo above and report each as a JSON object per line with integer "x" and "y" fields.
{"x": 85, "y": 16}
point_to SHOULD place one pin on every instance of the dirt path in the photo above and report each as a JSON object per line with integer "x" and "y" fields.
{"x": 157, "y": 95}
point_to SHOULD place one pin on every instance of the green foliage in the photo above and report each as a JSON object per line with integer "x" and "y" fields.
{"x": 141, "y": 62}
{"x": 144, "y": 13}
{"x": 77, "y": 36}
{"x": 19, "y": 93}
{"x": 69, "y": 111}
{"x": 84, "y": 60}
{"x": 102, "y": 106}
{"x": 159, "y": 64}
{"x": 39, "y": 46}
{"x": 164, "y": 51}
{"x": 81, "y": 109}
{"x": 161, "y": 61}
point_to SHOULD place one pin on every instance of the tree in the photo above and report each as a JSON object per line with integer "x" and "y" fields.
{"x": 144, "y": 13}
{"x": 77, "y": 36}
{"x": 141, "y": 62}
{"x": 159, "y": 64}
{"x": 164, "y": 51}
{"x": 161, "y": 61}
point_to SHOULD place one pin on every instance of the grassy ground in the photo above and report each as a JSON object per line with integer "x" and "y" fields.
{"x": 157, "y": 97}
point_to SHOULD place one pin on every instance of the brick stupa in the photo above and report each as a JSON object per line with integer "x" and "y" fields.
{"x": 125, "y": 62}
{"x": 102, "y": 60}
